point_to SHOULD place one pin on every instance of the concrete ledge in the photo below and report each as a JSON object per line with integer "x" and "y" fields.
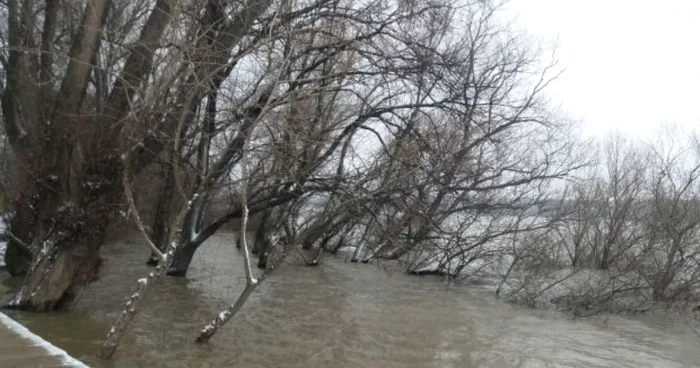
{"x": 26, "y": 349}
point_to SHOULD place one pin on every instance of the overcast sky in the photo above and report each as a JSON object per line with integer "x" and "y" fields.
{"x": 630, "y": 64}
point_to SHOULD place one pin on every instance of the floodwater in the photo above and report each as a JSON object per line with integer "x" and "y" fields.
{"x": 342, "y": 315}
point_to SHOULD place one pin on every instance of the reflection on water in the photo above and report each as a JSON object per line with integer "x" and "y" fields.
{"x": 342, "y": 315}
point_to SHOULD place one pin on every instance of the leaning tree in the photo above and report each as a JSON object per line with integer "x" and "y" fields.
{"x": 127, "y": 84}
{"x": 80, "y": 93}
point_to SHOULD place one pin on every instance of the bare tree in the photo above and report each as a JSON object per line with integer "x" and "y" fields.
{"x": 416, "y": 132}
{"x": 625, "y": 240}
{"x": 71, "y": 154}
{"x": 252, "y": 282}
{"x": 456, "y": 175}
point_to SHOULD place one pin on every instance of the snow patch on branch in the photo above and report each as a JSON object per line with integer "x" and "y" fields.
{"x": 207, "y": 329}
{"x": 224, "y": 315}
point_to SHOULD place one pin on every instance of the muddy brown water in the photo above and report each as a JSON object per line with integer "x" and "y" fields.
{"x": 343, "y": 315}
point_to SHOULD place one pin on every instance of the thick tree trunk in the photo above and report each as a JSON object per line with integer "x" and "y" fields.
{"x": 68, "y": 226}
{"x": 182, "y": 259}
{"x": 65, "y": 263}
{"x": 184, "y": 254}
{"x": 339, "y": 244}
{"x": 188, "y": 246}
{"x": 18, "y": 256}
{"x": 58, "y": 278}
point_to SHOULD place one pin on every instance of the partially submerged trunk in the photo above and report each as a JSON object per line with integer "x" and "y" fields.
{"x": 261, "y": 233}
{"x": 189, "y": 245}
{"x": 65, "y": 263}
{"x": 251, "y": 282}
{"x": 262, "y": 242}
{"x": 182, "y": 259}
{"x": 317, "y": 258}
{"x": 265, "y": 247}
{"x": 189, "y": 239}
{"x": 72, "y": 213}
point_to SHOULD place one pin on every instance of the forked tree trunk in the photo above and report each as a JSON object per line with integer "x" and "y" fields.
{"x": 189, "y": 246}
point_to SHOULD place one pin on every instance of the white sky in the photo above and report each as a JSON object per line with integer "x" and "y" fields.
{"x": 630, "y": 65}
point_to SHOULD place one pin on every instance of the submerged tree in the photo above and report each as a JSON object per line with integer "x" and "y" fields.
{"x": 622, "y": 239}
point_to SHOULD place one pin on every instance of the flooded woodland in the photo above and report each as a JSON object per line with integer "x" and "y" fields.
{"x": 333, "y": 315}
{"x": 413, "y": 193}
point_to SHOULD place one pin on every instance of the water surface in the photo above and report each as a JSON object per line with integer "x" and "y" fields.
{"x": 343, "y": 315}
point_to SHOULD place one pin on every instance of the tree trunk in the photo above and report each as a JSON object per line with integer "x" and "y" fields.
{"x": 65, "y": 263}
{"x": 161, "y": 219}
{"x": 159, "y": 236}
{"x": 184, "y": 254}
{"x": 357, "y": 253}
{"x": 187, "y": 243}
{"x": 339, "y": 244}
{"x": 360, "y": 247}
{"x": 182, "y": 259}
{"x": 317, "y": 257}
{"x": 261, "y": 233}
{"x": 18, "y": 257}
{"x": 264, "y": 248}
